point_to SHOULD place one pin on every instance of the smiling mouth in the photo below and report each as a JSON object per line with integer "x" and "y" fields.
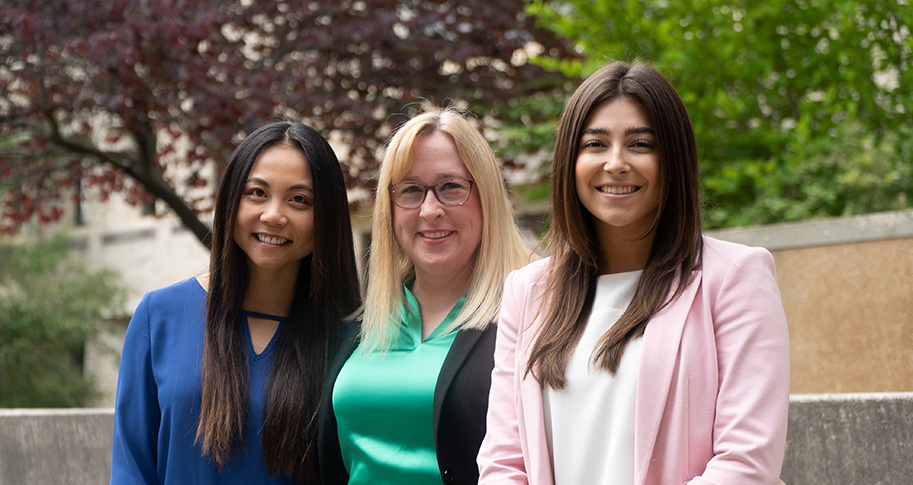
{"x": 278, "y": 241}
{"x": 436, "y": 235}
{"x": 615, "y": 190}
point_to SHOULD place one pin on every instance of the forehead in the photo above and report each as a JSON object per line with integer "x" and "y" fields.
{"x": 281, "y": 162}
{"x": 434, "y": 157}
{"x": 619, "y": 112}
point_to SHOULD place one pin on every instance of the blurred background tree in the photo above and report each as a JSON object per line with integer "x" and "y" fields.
{"x": 142, "y": 97}
{"x": 802, "y": 108}
{"x": 50, "y": 307}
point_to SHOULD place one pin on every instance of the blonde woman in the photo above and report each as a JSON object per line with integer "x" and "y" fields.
{"x": 407, "y": 395}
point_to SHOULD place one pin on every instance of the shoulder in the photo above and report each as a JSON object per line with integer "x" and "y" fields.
{"x": 730, "y": 265}
{"x": 526, "y": 282}
{"x": 178, "y": 302}
{"x": 532, "y": 273}
{"x": 723, "y": 256}
{"x": 523, "y": 291}
{"x": 175, "y": 294}
{"x": 174, "y": 315}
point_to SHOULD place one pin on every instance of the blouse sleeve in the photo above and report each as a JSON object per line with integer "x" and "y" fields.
{"x": 501, "y": 456}
{"x": 753, "y": 358}
{"x": 136, "y": 413}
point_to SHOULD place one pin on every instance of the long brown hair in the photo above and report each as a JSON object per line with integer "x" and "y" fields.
{"x": 326, "y": 291}
{"x": 574, "y": 263}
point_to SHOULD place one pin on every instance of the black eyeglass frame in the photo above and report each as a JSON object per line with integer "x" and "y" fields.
{"x": 433, "y": 188}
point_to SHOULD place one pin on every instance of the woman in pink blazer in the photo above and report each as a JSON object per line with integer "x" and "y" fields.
{"x": 639, "y": 352}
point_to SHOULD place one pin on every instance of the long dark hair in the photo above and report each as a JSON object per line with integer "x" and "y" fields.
{"x": 574, "y": 263}
{"x": 326, "y": 291}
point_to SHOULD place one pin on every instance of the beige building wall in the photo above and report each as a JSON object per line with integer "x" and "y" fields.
{"x": 847, "y": 288}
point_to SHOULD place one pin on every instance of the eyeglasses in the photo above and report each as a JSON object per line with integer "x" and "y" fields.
{"x": 410, "y": 195}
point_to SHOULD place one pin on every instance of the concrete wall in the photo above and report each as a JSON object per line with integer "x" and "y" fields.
{"x": 833, "y": 439}
{"x": 55, "y": 446}
{"x": 850, "y": 439}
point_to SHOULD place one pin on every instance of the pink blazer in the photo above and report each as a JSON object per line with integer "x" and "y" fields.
{"x": 712, "y": 389}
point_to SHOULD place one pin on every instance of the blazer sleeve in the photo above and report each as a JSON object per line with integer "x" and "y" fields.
{"x": 752, "y": 344}
{"x": 136, "y": 410}
{"x": 501, "y": 455}
{"x": 329, "y": 454}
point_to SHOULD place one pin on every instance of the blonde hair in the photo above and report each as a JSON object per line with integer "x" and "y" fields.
{"x": 500, "y": 251}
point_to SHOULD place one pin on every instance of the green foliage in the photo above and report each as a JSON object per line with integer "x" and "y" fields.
{"x": 802, "y": 108}
{"x": 49, "y": 307}
{"x": 536, "y": 116}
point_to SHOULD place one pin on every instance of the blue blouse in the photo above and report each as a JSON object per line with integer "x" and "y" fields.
{"x": 159, "y": 395}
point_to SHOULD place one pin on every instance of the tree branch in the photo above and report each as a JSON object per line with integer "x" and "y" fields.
{"x": 150, "y": 179}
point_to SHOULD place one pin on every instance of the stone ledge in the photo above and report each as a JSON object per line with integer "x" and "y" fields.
{"x": 850, "y": 439}
{"x": 833, "y": 439}
{"x": 53, "y": 446}
{"x": 821, "y": 232}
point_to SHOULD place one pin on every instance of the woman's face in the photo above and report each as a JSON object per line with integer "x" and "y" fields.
{"x": 441, "y": 240}
{"x": 275, "y": 222}
{"x": 617, "y": 169}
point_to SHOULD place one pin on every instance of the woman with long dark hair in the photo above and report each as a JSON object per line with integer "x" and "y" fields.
{"x": 221, "y": 375}
{"x": 640, "y": 351}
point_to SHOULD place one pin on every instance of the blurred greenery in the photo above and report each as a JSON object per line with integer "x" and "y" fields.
{"x": 50, "y": 306}
{"x": 802, "y": 108}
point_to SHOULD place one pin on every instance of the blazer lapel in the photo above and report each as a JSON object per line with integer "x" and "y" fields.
{"x": 532, "y": 416}
{"x": 331, "y": 465}
{"x": 346, "y": 348}
{"x": 531, "y": 410}
{"x": 462, "y": 344}
{"x": 662, "y": 338}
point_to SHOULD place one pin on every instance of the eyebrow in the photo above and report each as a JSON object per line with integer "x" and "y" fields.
{"x": 293, "y": 187}
{"x": 630, "y": 131}
{"x": 441, "y": 177}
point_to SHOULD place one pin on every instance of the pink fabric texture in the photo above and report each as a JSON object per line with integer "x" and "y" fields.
{"x": 713, "y": 384}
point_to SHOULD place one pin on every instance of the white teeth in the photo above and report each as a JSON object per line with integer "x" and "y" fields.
{"x": 618, "y": 190}
{"x": 272, "y": 240}
{"x": 435, "y": 235}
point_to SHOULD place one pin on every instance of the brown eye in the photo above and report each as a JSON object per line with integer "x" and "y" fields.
{"x": 300, "y": 199}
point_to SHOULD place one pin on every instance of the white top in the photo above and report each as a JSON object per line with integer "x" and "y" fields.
{"x": 590, "y": 423}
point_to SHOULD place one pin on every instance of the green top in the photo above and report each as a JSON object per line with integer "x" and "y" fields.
{"x": 383, "y": 404}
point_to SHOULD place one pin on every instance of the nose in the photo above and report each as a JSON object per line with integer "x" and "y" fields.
{"x": 273, "y": 214}
{"x": 431, "y": 208}
{"x": 616, "y": 162}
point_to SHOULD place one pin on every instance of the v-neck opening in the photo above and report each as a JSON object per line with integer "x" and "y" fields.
{"x": 439, "y": 330}
{"x": 250, "y": 341}
{"x": 412, "y": 318}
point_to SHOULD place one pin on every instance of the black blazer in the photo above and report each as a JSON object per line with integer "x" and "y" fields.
{"x": 460, "y": 404}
